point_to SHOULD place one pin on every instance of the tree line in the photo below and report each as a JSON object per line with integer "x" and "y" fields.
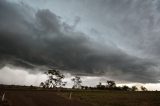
{"x": 54, "y": 80}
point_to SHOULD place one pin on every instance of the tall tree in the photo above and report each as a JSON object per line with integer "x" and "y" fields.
{"x": 111, "y": 84}
{"x": 134, "y": 88}
{"x": 76, "y": 82}
{"x": 54, "y": 79}
{"x": 143, "y": 88}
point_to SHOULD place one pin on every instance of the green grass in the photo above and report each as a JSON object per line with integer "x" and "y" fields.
{"x": 116, "y": 98}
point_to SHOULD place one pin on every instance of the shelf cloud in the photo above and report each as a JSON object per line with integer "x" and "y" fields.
{"x": 32, "y": 39}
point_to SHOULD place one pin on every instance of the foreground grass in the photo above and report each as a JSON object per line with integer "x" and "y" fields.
{"x": 38, "y": 98}
{"x": 116, "y": 98}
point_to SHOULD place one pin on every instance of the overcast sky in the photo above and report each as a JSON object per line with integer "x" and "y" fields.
{"x": 113, "y": 39}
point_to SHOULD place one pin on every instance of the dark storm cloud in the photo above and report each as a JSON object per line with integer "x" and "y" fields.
{"x": 136, "y": 21}
{"x": 32, "y": 39}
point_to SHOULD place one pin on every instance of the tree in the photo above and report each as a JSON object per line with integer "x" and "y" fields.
{"x": 111, "y": 84}
{"x": 54, "y": 79}
{"x": 42, "y": 84}
{"x": 134, "y": 88}
{"x": 76, "y": 82}
{"x": 126, "y": 88}
{"x": 86, "y": 87}
{"x": 143, "y": 88}
{"x": 64, "y": 83}
{"x": 100, "y": 86}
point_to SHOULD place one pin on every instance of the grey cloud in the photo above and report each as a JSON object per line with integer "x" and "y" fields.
{"x": 137, "y": 22}
{"x": 32, "y": 39}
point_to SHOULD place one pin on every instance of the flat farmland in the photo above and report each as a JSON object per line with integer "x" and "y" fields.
{"x": 82, "y": 98}
{"x": 118, "y": 98}
{"x": 40, "y": 98}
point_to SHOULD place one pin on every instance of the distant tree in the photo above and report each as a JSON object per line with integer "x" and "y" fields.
{"x": 100, "y": 86}
{"x": 134, "y": 88}
{"x": 143, "y": 88}
{"x": 54, "y": 79}
{"x": 111, "y": 84}
{"x": 86, "y": 87}
{"x": 126, "y": 88}
{"x": 76, "y": 82}
{"x": 82, "y": 87}
{"x": 64, "y": 83}
{"x": 42, "y": 84}
{"x": 31, "y": 86}
{"x": 118, "y": 88}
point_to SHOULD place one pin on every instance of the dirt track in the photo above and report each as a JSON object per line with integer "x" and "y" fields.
{"x": 40, "y": 98}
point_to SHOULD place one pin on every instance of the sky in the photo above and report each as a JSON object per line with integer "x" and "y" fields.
{"x": 97, "y": 39}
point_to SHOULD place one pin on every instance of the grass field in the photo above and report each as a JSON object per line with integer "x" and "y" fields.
{"x": 39, "y": 98}
{"x": 117, "y": 98}
{"x": 81, "y": 98}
